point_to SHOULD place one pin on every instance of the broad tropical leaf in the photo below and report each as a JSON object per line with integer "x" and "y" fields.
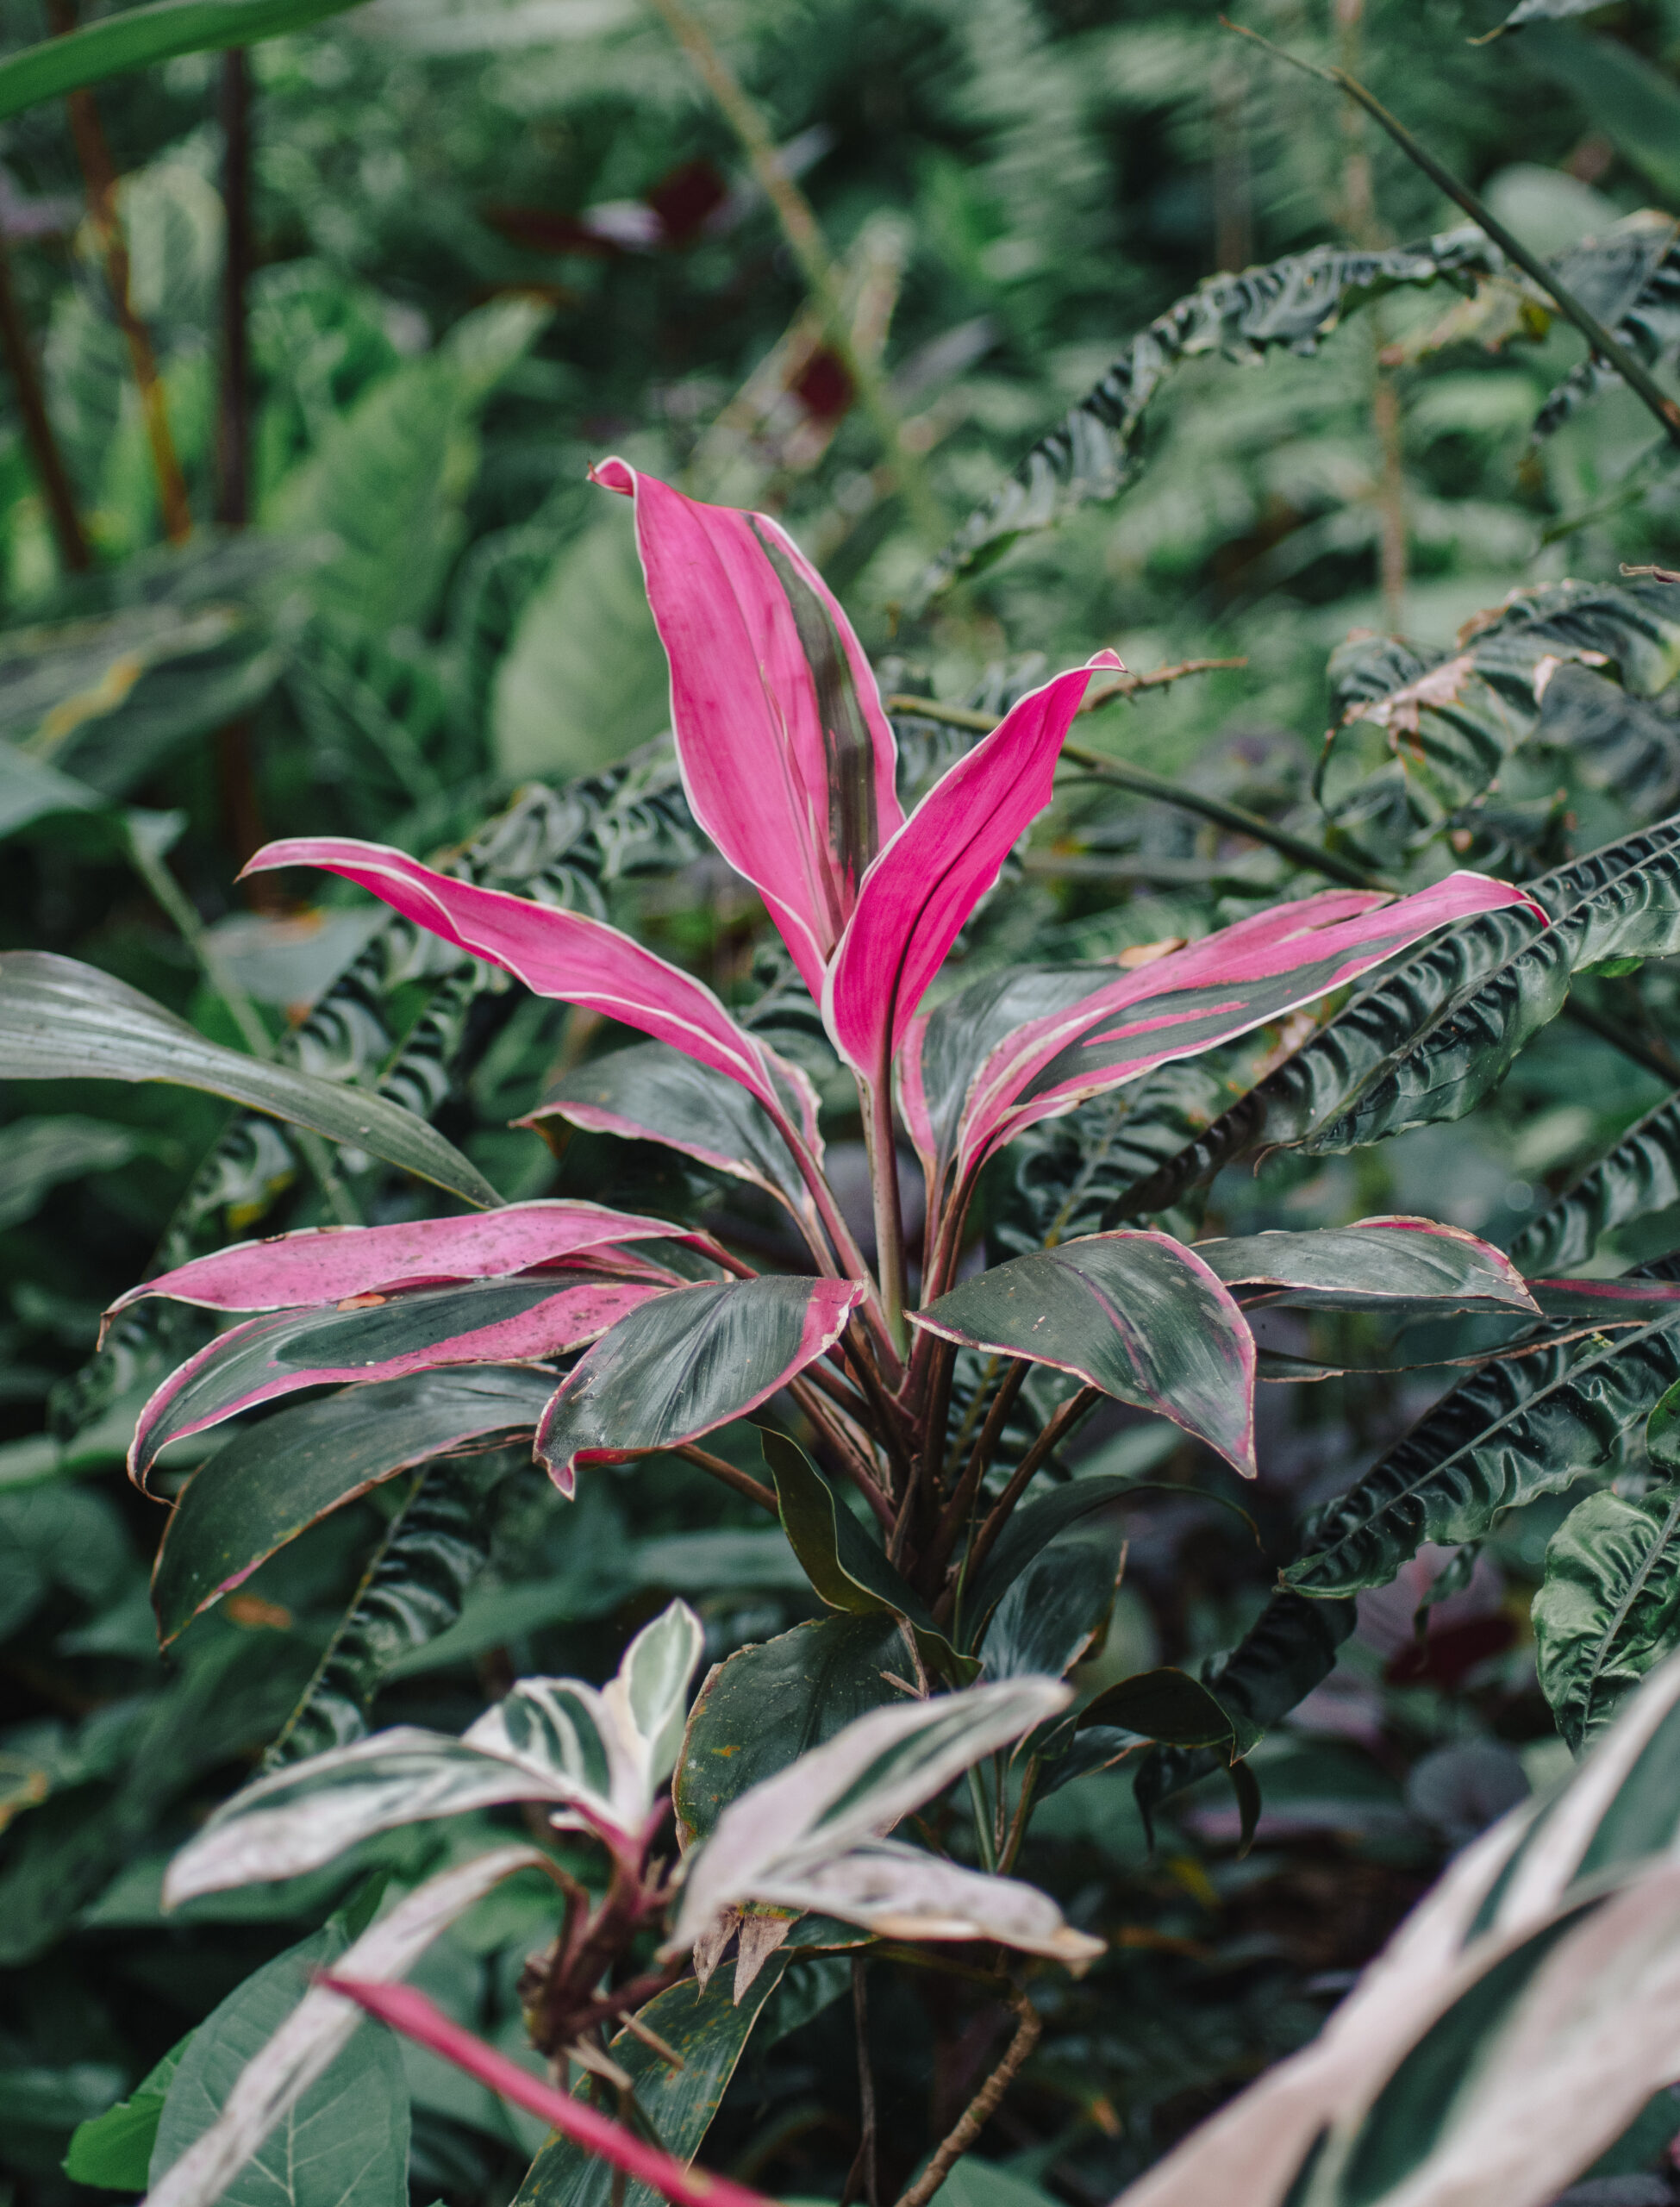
{"x": 60, "y": 1020}
{"x": 1377, "y": 1264}
{"x": 262, "y": 1488}
{"x": 1636, "y": 1179}
{"x": 485, "y": 1322}
{"x": 1057, "y": 1607}
{"x": 667, "y": 1375}
{"x": 787, "y": 754}
{"x": 1029, "y": 1532}
{"x": 1609, "y": 1608}
{"x": 1133, "y": 1313}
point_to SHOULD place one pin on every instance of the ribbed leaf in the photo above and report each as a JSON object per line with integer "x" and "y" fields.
{"x": 60, "y": 1020}
{"x": 1609, "y": 1608}
{"x": 266, "y": 1485}
{"x": 1647, "y": 322}
{"x": 1636, "y": 1179}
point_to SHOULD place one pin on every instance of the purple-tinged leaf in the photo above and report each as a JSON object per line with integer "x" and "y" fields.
{"x": 1377, "y": 1264}
{"x": 325, "y": 1264}
{"x": 1208, "y": 993}
{"x": 555, "y": 953}
{"x": 680, "y": 1367}
{"x": 787, "y": 753}
{"x": 935, "y": 870}
{"x": 487, "y": 1322}
{"x": 1136, "y": 1314}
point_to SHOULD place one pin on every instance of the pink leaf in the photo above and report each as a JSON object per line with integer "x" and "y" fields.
{"x": 1184, "y": 1003}
{"x": 935, "y": 870}
{"x": 787, "y": 754}
{"x": 414, "y": 2015}
{"x": 325, "y": 1264}
{"x": 556, "y": 953}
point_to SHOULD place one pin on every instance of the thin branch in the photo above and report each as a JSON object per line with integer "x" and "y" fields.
{"x": 955, "y": 1514}
{"x": 865, "y": 2169}
{"x": 981, "y": 2109}
{"x": 742, "y": 1482}
{"x": 1044, "y": 1447}
{"x": 50, "y": 470}
{"x": 806, "y": 243}
{"x": 1603, "y": 341}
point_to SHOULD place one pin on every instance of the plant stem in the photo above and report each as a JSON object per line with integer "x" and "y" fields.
{"x": 742, "y": 1482}
{"x": 889, "y": 1218}
{"x": 1046, "y": 1444}
{"x": 50, "y": 470}
{"x": 1603, "y": 341}
{"x": 955, "y": 1513}
{"x": 806, "y": 243}
{"x": 982, "y": 2107}
{"x": 863, "y": 2170}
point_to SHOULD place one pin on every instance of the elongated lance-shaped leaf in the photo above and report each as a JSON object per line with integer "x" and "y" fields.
{"x": 651, "y": 1092}
{"x": 141, "y": 37}
{"x": 854, "y": 1789}
{"x": 665, "y": 1377}
{"x": 485, "y": 1322}
{"x": 555, "y": 953}
{"x": 1377, "y": 1264}
{"x": 1209, "y": 993}
{"x": 1609, "y": 1608}
{"x": 1352, "y": 1052}
{"x": 1636, "y": 1179}
{"x": 1537, "y": 11}
{"x": 276, "y": 2079}
{"x": 60, "y": 1020}
{"x": 930, "y": 875}
{"x": 1647, "y": 322}
{"x": 1091, "y": 452}
{"x": 1136, "y": 1314}
{"x": 267, "y": 1485}
{"x": 1520, "y": 1427}
{"x": 787, "y": 754}
{"x": 327, "y": 1264}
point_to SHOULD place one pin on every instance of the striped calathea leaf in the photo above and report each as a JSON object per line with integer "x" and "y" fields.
{"x": 595, "y": 1757}
{"x": 1518, "y": 2021}
{"x": 813, "y": 1837}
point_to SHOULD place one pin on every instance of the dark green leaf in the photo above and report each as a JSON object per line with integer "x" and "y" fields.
{"x": 61, "y": 1020}
{"x": 1639, "y": 1177}
{"x": 707, "y": 2027}
{"x": 1380, "y": 1264}
{"x": 263, "y": 1487}
{"x": 1627, "y": 98}
{"x": 768, "y": 1704}
{"x": 113, "y": 2151}
{"x": 836, "y": 1555}
{"x": 1048, "y": 1619}
{"x": 1170, "y": 1706}
{"x": 1027, "y": 1534}
{"x": 42, "y": 1152}
{"x": 30, "y": 791}
{"x": 1609, "y": 1610}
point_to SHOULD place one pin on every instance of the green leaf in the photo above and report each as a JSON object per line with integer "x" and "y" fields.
{"x": 139, "y": 37}
{"x": 1634, "y": 104}
{"x": 1520, "y": 1427}
{"x": 709, "y": 2030}
{"x": 113, "y": 2151}
{"x": 1049, "y": 1617}
{"x": 1609, "y": 1608}
{"x": 30, "y": 791}
{"x": 1136, "y": 1314}
{"x": 1171, "y": 1706}
{"x": 1639, "y": 1177}
{"x": 345, "y": 2143}
{"x": 266, "y": 1485}
{"x": 40, "y": 1153}
{"x": 60, "y": 1020}
{"x": 844, "y": 1566}
{"x": 763, "y": 1708}
{"x": 1028, "y": 1533}
{"x": 1377, "y": 1264}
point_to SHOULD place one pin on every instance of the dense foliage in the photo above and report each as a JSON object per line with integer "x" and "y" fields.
{"x": 1262, "y": 1312}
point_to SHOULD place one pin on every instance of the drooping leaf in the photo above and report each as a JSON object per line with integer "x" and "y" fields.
{"x": 651, "y": 1092}
{"x": 60, "y": 1020}
{"x": 262, "y": 1488}
{"x": 141, "y": 37}
{"x": 1636, "y": 1179}
{"x": 1170, "y": 1706}
{"x": 1133, "y": 1313}
{"x": 485, "y": 1321}
{"x": 1520, "y": 1427}
{"x": 331, "y": 1264}
{"x": 708, "y": 2027}
{"x": 788, "y": 756}
{"x": 687, "y": 1362}
{"x": 1376, "y": 1264}
{"x": 1609, "y": 1608}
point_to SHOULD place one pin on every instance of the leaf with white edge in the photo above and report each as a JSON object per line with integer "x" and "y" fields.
{"x": 900, "y": 1893}
{"x": 267, "y": 1484}
{"x": 486, "y": 1321}
{"x": 276, "y": 2078}
{"x": 686, "y": 1363}
{"x": 1609, "y": 1608}
{"x": 650, "y": 1694}
{"x": 854, "y": 1788}
{"x": 1377, "y": 1264}
{"x": 60, "y": 1020}
{"x": 1133, "y": 1313}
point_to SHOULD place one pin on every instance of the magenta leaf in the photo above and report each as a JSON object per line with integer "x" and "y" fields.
{"x": 680, "y": 1367}
{"x": 935, "y": 870}
{"x": 325, "y": 1264}
{"x": 1208, "y": 993}
{"x": 555, "y": 953}
{"x": 413, "y": 2014}
{"x": 787, "y": 754}
{"x": 484, "y": 1322}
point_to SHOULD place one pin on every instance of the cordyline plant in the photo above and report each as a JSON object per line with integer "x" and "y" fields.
{"x": 927, "y": 1524}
